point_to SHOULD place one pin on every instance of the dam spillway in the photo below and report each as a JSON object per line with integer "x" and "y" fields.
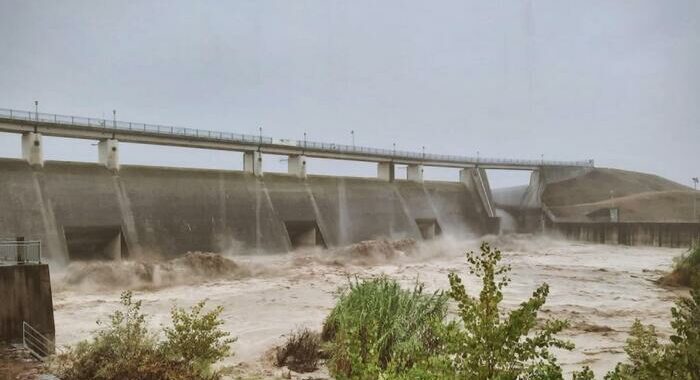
{"x": 86, "y": 211}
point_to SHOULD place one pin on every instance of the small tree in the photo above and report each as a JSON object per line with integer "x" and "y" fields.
{"x": 677, "y": 360}
{"x": 124, "y": 348}
{"x": 117, "y": 350}
{"x": 196, "y": 337}
{"x": 494, "y": 345}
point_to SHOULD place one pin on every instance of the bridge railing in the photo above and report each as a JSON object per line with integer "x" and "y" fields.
{"x": 20, "y": 252}
{"x": 117, "y": 125}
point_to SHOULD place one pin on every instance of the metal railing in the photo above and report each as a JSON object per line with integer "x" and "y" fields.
{"x": 20, "y": 252}
{"x": 117, "y": 125}
{"x": 36, "y": 343}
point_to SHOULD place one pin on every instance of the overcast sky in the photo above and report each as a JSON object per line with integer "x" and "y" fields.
{"x": 615, "y": 81}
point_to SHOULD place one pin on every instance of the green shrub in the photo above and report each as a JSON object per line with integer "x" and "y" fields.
{"x": 491, "y": 344}
{"x": 686, "y": 268}
{"x": 301, "y": 352}
{"x": 377, "y": 327}
{"x": 585, "y": 374}
{"x": 196, "y": 338}
{"x": 680, "y": 359}
{"x": 380, "y": 331}
{"x": 125, "y": 349}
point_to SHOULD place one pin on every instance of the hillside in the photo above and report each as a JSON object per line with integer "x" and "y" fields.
{"x": 638, "y": 196}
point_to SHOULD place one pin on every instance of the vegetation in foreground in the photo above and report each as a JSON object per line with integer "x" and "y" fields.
{"x": 124, "y": 348}
{"x": 377, "y": 328}
{"x": 380, "y": 331}
{"x": 686, "y": 268}
{"x": 301, "y": 352}
{"x": 648, "y": 359}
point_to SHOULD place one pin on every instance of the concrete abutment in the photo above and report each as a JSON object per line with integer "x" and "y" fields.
{"x": 26, "y": 297}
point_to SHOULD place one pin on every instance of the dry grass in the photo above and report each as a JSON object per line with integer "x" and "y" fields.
{"x": 301, "y": 352}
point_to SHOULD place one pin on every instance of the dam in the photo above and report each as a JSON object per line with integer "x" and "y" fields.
{"x": 106, "y": 210}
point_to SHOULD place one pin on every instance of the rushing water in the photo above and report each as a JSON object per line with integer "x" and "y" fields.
{"x": 600, "y": 289}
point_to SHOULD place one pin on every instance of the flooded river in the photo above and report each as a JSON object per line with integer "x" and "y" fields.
{"x": 600, "y": 289}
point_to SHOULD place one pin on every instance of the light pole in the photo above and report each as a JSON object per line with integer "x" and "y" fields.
{"x": 352, "y": 134}
{"x": 695, "y": 197}
{"x": 114, "y": 118}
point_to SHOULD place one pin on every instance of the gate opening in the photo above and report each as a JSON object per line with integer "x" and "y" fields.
{"x": 304, "y": 234}
{"x": 429, "y": 228}
{"x": 95, "y": 243}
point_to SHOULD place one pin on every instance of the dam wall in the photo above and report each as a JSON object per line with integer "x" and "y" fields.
{"x": 86, "y": 211}
{"x": 651, "y": 234}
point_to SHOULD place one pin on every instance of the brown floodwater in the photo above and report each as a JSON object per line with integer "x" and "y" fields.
{"x": 601, "y": 289}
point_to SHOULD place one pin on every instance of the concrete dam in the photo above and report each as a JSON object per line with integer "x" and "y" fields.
{"x": 110, "y": 211}
{"x": 105, "y": 210}
{"x": 85, "y": 211}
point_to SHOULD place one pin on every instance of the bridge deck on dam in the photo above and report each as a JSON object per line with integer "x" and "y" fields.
{"x": 18, "y": 121}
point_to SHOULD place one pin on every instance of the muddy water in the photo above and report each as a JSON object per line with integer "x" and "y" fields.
{"x": 600, "y": 289}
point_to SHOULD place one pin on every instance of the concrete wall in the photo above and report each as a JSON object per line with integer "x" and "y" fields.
{"x": 169, "y": 211}
{"x": 654, "y": 234}
{"x": 26, "y": 296}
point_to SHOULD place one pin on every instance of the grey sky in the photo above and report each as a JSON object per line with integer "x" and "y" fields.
{"x": 617, "y": 81}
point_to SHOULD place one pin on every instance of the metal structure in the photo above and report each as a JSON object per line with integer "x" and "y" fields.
{"x": 18, "y": 121}
{"x": 36, "y": 343}
{"x": 14, "y": 252}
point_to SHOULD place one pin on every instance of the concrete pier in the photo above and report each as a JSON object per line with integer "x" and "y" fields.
{"x": 385, "y": 171}
{"x": 108, "y": 153}
{"x": 252, "y": 163}
{"x": 32, "y": 148}
{"x": 26, "y": 297}
{"x": 296, "y": 166}
{"x": 476, "y": 180}
{"x": 414, "y": 173}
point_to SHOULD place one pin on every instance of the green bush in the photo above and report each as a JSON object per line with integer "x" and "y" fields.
{"x": 378, "y": 330}
{"x": 124, "y": 348}
{"x": 491, "y": 344}
{"x": 687, "y": 266}
{"x": 648, "y": 359}
{"x": 379, "y": 327}
{"x": 196, "y": 338}
{"x": 301, "y": 352}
